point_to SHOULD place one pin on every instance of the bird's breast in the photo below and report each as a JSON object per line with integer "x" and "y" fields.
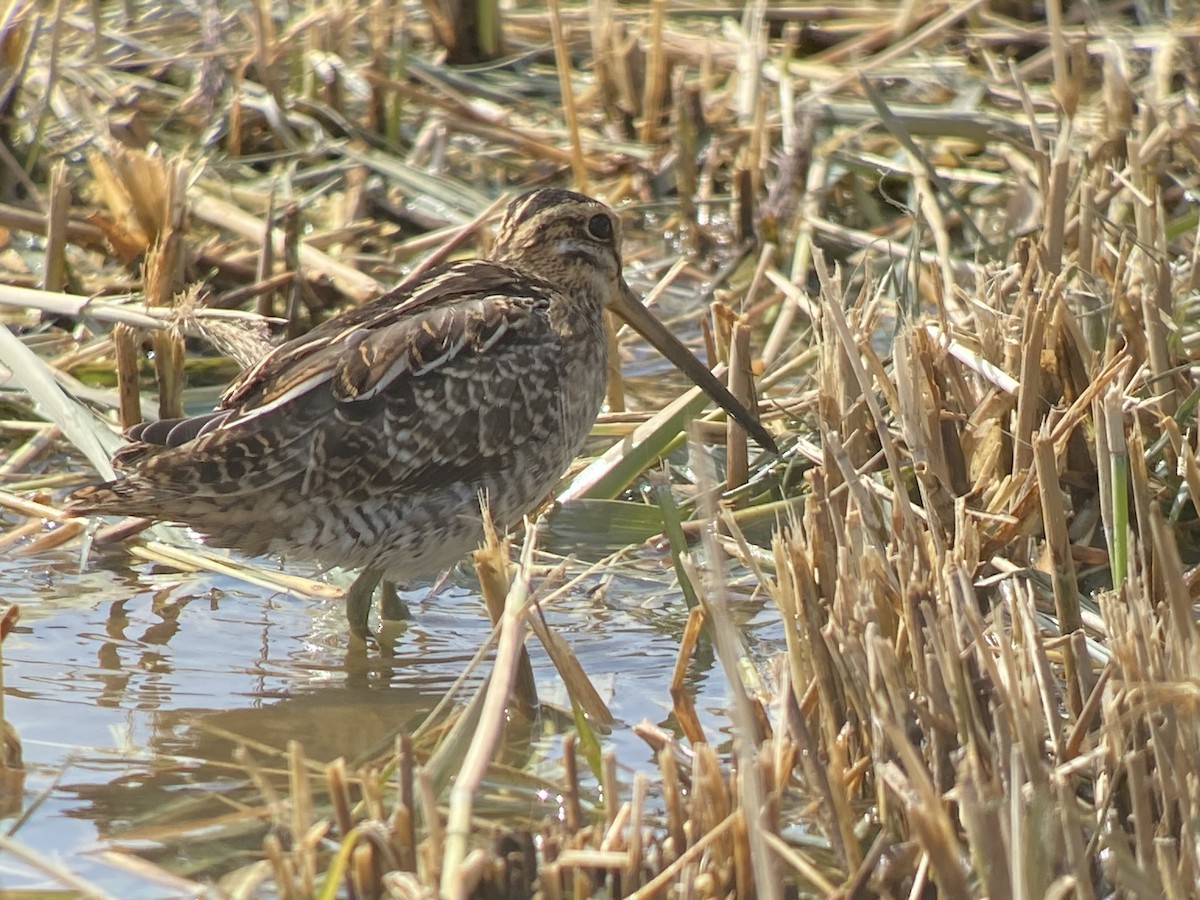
{"x": 582, "y": 379}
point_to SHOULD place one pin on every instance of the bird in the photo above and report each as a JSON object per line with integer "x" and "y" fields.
{"x": 368, "y": 442}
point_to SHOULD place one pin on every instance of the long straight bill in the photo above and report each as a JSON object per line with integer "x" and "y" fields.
{"x": 630, "y": 308}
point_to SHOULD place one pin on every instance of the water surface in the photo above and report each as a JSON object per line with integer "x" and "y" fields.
{"x": 130, "y": 685}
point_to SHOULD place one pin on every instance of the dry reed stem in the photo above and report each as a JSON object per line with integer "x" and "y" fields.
{"x": 571, "y": 117}
{"x": 217, "y": 212}
{"x": 202, "y": 560}
{"x": 578, "y": 685}
{"x": 748, "y": 738}
{"x": 42, "y": 441}
{"x": 685, "y": 710}
{"x": 509, "y": 654}
{"x": 495, "y": 582}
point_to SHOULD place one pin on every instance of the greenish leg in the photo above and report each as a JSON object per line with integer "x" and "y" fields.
{"x": 391, "y": 605}
{"x": 358, "y": 601}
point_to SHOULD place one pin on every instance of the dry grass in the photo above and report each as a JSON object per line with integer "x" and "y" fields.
{"x": 961, "y": 244}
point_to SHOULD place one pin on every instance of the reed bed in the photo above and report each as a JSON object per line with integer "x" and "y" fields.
{"x": 950, "y": 251}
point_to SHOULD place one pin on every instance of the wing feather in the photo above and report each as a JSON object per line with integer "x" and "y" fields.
{"x": 412, "y": 329}
{"x": 354, "y": 402}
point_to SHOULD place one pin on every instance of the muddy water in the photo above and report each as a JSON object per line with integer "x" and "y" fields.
{"x": 129, "y": 685}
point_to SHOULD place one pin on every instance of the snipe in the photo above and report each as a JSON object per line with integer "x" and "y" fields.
{"x": 367, "y": 442}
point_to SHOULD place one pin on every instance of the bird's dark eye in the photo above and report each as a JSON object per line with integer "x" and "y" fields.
{"x": 600, "y": 227}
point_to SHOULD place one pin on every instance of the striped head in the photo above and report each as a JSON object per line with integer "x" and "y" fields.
{"x": 567, "y": 239}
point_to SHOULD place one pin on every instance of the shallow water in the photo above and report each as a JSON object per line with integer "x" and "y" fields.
{"x": 128, "y": 685}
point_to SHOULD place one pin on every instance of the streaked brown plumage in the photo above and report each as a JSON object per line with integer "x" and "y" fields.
{"x": 367, "y": 442}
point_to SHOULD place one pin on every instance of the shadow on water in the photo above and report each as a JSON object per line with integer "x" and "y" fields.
{"x": 130, "y": 687}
